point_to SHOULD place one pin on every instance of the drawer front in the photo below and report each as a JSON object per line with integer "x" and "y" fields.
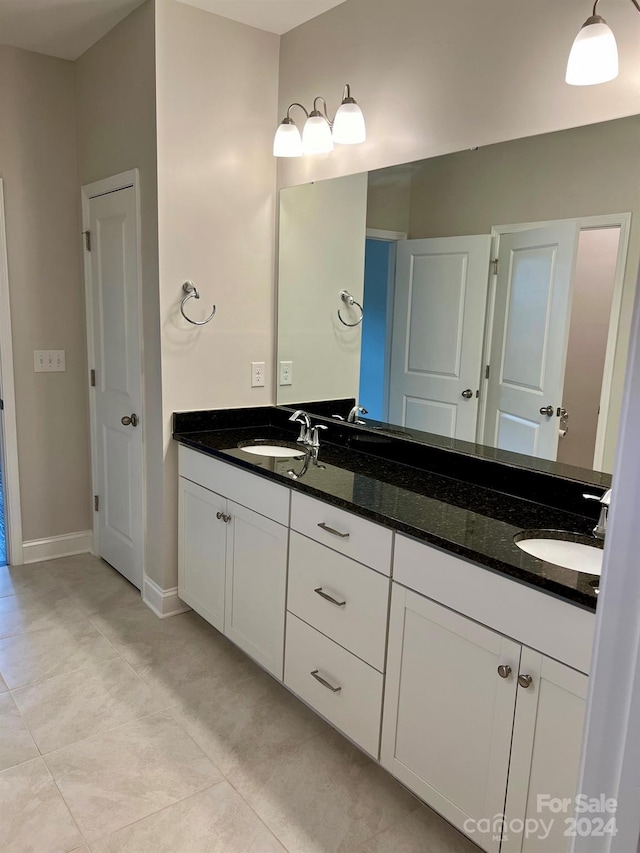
{"x": 254, "y": 492}
{"x": 357, "y": 616}
{"x": 351, "y": 699}
{"x": 356, "y": 537}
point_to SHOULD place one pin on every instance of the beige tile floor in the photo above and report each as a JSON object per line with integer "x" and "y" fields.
{"x": 123, "y": 732}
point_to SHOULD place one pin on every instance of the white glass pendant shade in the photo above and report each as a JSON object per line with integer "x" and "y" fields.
{"x": 316, "y": 135}
{"x": 594, "y": 55}
{"x": 287, "y": 141}
{"x": 348, "y": 126}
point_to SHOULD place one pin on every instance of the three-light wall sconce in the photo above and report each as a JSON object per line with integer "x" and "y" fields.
{"x": 320, "y": 133}
{"x": 594, "y": 55}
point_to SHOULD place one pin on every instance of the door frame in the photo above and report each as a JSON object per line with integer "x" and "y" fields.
{"x": 584, "y": 223}
{"x": 122, "y": 181}
{"x": 9, "y": 437}
{"x": 392, "y": 237}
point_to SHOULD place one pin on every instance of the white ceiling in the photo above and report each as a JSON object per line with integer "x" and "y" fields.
{"x": 276, "y": 16}
{"x": 66, "y": 28}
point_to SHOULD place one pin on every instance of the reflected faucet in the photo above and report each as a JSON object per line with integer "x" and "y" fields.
{"x": 353, "y": 418}
{"x": 600, "y": 530}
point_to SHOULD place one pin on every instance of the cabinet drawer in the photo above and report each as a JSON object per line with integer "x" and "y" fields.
{"x": 360, "y": 623}
{"x": 252, "y": 491}
{"x": 351, "y": 699}
{"x": 351, "y": 535}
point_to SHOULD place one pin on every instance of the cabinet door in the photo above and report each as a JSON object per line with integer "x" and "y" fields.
{"x": 201, "y": 551}
{"x": 448, "y": 715}
{"x": 256, "y": 586}
{"x": 545, "y": 759}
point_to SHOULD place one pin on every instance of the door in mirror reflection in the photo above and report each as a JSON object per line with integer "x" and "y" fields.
{"x": 438, "y": 328}
{"x": 529, "y": 338}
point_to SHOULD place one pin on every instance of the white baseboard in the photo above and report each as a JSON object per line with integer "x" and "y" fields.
{"x": 57, "y": 546}
{"x": 163, "y": 602}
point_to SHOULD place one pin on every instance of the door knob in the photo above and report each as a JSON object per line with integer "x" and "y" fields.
{"x": 525, "y": 681}
{"x": 547, "y": 410}
{"x": 468, "y": 394}
{"x": 504, "y": 670}
{"x": 129, "y": 420}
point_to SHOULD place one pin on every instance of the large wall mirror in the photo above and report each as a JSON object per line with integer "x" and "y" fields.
{"x": 484, "y": 296}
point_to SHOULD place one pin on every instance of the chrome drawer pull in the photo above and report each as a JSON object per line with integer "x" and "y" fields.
{"x": 329, "y": 598}
{"x": 331, "y": 530}
{"x": 325, "y": 683}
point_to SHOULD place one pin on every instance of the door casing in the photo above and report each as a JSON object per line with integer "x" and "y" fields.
{"x": 9, "y": 437}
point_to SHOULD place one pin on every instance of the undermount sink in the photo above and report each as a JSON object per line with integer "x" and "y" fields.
{"x": 276, "y": 450}
{"x": 568, "y": 550}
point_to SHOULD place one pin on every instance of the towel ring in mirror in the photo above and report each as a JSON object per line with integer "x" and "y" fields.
{"x": 191, "y": 292}
{"x": 348, "y": 300}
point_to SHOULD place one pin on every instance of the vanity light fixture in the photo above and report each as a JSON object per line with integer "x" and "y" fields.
{"x": 594, "y": 54}
{"x": 320, "y": 133}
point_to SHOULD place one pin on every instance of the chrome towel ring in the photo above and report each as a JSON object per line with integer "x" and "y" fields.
{"x": 192, "y": 293}
{"x": 348, "y": 300}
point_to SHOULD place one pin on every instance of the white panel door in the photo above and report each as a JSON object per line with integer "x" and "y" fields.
{"x": 256, "y": 586}
{"x": 119, "y": 524}
{"x": 545, "y": 757}
{"x": 530, "y": 336}
{"x": 202, "y": 550}
{"x": 438, "y": 329}
{"x": 448, "y": 715}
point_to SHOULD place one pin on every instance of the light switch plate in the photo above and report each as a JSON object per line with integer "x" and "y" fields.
{"x": 49, "y": 361}
{"x": 257, "y": 374}
{"x": 286, "y": 373}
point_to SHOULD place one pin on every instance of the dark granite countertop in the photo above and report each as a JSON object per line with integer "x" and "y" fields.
{"x": 474, "y": 521}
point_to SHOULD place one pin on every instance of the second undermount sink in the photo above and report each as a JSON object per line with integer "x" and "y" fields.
{"x": 568, "y": 550}
{"x": 274, "y": 449}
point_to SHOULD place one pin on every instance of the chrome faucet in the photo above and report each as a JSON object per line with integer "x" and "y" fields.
{"x": 600, "y": 530}
{"x": 309, "y": 435}
{"x": 302, "y": 418}
{"x": 352, "y": 417}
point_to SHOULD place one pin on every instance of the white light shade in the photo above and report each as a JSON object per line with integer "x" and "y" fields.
{"x": 594, "y": 55}
{"x": 348, "y": 126}
{"x": 316, "y": 136}
{"x": 287, "y": 141}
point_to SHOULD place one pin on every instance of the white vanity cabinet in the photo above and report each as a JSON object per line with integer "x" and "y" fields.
{"x": 448, "y": 714}
{"x": 545, "y": 756}
{"x": 472, "y": 716}
{"x": 232, "y": 563}
{"x": 338, "y": 606}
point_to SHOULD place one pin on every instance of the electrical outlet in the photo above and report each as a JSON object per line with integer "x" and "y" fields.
{"x": 286, "y": 373}
{"x": 257, "y": 374}
{"x": 49, "y": 361}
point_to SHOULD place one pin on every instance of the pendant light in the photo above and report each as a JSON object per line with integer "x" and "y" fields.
{"x": 287, "y": 141}
{"x": 594, "y": 54}
{"x": 348, "y": 126}
{"x": 316, "y": 134}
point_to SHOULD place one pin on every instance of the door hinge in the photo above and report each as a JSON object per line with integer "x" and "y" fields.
{"x": 87, "y": 240}
{"x": 487, "y": 371}
{"x": 1, "y": 405}
{"x": 96, "y": 503}
{"x": 93, "y": 378}
{"x": 494, "y": 264}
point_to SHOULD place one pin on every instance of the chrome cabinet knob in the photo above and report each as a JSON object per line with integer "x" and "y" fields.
{"x": 221, "y": 516}
{"x": 468, "y": 394}
{"x": 547, "y": 410}
{"x": 504, "y": 670}
{"x": 525, "y": 681}
{"x": 130, "y": 420}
